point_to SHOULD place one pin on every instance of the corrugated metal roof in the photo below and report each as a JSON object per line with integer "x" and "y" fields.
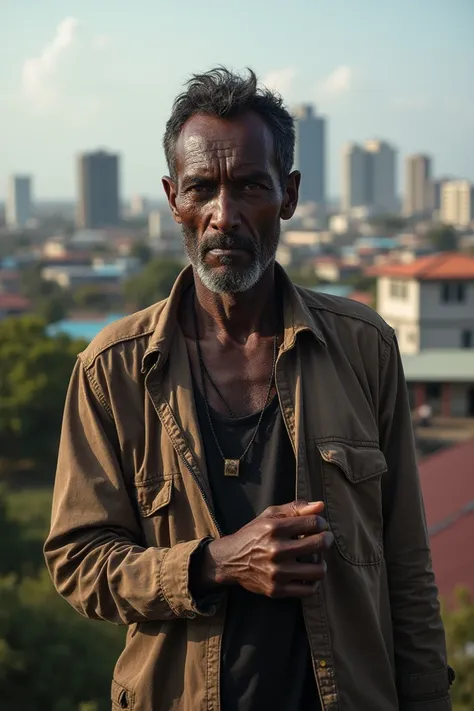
{"x": 447, "y": 481}
{"x": 438, "y": 365}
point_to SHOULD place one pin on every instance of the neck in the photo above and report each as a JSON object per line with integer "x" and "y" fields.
{"x": 236, "y": 316}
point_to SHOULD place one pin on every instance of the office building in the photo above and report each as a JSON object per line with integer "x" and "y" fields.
{"x": 369, "y": 177}
{"x": 18, "y": 210}
{"x": 457, "y": 203}
{"x": 419, "y": 195}
{"x": 310, "y": 154}
{"x": 354, "y": 177}
{"x": 382, "y": 176}
{"x": 98, "y": 188}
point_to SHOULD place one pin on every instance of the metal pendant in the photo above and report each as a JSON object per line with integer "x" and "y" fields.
{"x": 231, "y": 467}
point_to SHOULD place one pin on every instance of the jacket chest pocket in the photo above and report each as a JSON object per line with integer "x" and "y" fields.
{"x": 352, "y": 482}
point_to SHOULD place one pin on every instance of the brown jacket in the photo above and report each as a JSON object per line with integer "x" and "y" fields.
{"x": 132, "y": 502}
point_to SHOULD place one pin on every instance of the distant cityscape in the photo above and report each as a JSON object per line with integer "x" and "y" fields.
{"x": 369, "y": 179}
{"x": 411, "y": 258}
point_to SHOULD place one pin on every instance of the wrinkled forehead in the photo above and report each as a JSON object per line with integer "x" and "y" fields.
{"x": 210, "y": 141}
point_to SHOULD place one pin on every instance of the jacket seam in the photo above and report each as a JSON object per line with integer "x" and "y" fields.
{"x": 356, "y": 317}
{"x": 98, "y": 391}
{"x": 88, "y": 362}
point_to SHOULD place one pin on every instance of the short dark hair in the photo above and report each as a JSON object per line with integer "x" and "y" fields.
{"x": 220, "y": 92}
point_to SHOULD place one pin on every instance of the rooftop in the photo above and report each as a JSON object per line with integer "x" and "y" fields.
{"x": 450, "y": 518}
{"x": 438, "y": 365}
{"x": 441, "y": 266}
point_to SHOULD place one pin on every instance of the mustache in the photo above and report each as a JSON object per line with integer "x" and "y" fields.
{"x": 226, "y": 241}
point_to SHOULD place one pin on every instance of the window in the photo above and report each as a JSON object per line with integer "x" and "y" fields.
{"x": 466, "y": 339}
{"x": 453, "y": 292}
{"x": 398, "y": 290}
{"x": 433, "y": 391}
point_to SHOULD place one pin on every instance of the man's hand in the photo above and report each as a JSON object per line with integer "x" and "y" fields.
{"x": 265, "y": 556}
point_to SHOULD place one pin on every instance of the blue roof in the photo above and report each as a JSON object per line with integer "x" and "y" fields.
{"x": 86, "y": 329}
{"x": 377, "y": 242}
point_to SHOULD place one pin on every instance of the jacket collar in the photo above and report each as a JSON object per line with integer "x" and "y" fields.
{"x": 297, "y": 317}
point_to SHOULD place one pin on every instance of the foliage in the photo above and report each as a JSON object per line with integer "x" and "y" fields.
{"x": 443, "y": 238}
{"x": 142, "y": 251}
{"x": 388, "y": 225}
{"x": 153, "y": 283}
{"x": 92, "y": 298}
{"x": 51, "y": 303}
{"x": 303, "y": 277}
{"x": 34, "y": 373}
{"x": 459, "y": 625}
{"x": 50, "y": 658}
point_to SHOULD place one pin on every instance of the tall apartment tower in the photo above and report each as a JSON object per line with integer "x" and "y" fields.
{"x": 355, "y": 182}
{"x": 382, "y": 175}
{"x": 310, "y": 154}
{"x": 18, "y": 209}
{"x": 419, "y": 196}
{"x": 369, "y": 175}
{"x": 457, "y": 203}
{"x": 98, "y": 187}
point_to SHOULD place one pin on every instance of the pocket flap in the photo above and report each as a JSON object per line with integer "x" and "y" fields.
{"x": 122, "y": 697}
{"x": 357, "y": 463}
{"x": 154, "y": 496}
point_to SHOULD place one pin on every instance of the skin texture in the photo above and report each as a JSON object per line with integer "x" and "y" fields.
{"x": 228, "y": 197}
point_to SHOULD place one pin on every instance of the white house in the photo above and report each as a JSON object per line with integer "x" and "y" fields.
{"x": 429, "y": 302}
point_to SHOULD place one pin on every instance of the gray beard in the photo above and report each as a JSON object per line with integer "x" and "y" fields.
{"x": 231, "y": 280}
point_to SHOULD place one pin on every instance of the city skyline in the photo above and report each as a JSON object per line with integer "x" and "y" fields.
{"x": 101, "y": 78}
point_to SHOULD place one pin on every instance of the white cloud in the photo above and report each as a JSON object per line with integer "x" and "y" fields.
{"x": 39, "y": 72}
{"x": 339, "y": 81}
{"x": 280, "y": 80}
{"x": 101, "y": 42}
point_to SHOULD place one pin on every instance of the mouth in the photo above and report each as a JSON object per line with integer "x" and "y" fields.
{"x": 237, "y": 252}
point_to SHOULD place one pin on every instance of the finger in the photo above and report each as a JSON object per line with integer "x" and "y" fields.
{"x": 294, "y": 508}
{"x": 309, "y": 545}
{"x": 302, "y": 526}
{"x": 296, "y": 589}
{"x": 310, "y": 509}
{"x": 302, "y": 572}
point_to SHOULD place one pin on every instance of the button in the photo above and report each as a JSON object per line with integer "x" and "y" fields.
{"x": 323, "y": 663}
{"x": 191, "y": 615}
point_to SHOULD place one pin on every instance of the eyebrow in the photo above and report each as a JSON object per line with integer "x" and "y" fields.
{"x": 251, "y": 175}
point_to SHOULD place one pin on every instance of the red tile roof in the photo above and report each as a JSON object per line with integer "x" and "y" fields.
{"x": 441, "y": 266}
{"x": 13, "y": 302}
{"x": 447, "y": 480}
{"x": 363, "y": 297}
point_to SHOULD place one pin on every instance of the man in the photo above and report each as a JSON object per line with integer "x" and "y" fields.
{"x": 195, "y": 433}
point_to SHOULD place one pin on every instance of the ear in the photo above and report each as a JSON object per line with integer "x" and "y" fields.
{"x": 169, "y": 187}
{"x": 290, "y": 196}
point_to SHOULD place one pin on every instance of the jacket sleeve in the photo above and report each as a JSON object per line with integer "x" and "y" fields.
{"x": 423, "y": 677}
{"x": 93, "y": 549}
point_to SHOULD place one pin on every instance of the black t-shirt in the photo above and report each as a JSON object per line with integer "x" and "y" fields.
{"x": 266, "y": 662}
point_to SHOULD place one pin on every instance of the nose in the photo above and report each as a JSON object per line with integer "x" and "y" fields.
{"x": 225, "y": 214}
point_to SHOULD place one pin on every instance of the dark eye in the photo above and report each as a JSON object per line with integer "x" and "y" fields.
{"x": 199, "y": 188}
{"x": 253, "y": 186}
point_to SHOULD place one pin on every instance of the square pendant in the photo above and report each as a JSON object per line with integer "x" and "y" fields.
{"x": 231, "y": 467}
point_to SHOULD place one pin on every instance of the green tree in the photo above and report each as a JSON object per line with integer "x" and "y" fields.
{"x": 49, "y": 300}
{"x": 153, "y": 283}
{"x": 92, "y": 297}
{"x": 34, "y": 373}
{"x": 51, "y": 659}
{"x": 443, "y": 238}
{"x": 459, "y": 625}
{"x": 142, "y": 251}
{"x": 388, "y": 225}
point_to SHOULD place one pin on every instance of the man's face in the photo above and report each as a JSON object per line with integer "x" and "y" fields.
{"x": 229, "y": 199}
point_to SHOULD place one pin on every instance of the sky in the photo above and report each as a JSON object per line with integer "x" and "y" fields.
{"x": 77, "y": 76}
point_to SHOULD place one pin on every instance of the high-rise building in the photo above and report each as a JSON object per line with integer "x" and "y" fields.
{"x": 310, "y": 154}
{"x": 369, "y": 177}
{"x": 382, "y": 176}
{"x": 419, "y": 190}
{"x": 355, "y": 182}
{"x": 19, "y": 202}
{"x": 457, "y": 203}
{"x": 98, "y": 187}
